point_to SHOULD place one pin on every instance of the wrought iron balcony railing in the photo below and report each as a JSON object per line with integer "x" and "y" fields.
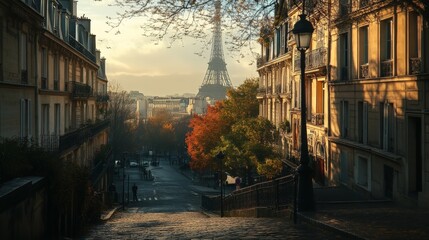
{"x": 79, "y": 47}
{"x": 102, "y": 97}
{"x": 54, "y": 142}
{"x": 364, "y": 70}
{"x": 415, "y": 65}
{"x": 317, "y": 119}
{"x": 386, "y": 68}
{"x": 80, "y": 90}
{"x": 314, "y": 59}
{"x": 49, "y": 142}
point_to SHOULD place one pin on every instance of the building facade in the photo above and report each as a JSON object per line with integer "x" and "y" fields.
{"x": 378, "y": 100}
{"x": 279, "y": 91}
{"x": 366, "y": 95}
{"x": 53, "y": 84}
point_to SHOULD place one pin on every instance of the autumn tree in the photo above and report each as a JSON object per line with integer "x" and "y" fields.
{"x": 233, "y": 126}
{"x": 204, "y": 137}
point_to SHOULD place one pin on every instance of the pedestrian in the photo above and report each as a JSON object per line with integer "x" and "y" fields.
{"x": 135, "y": 193}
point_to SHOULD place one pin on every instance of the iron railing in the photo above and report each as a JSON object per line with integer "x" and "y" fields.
{"x": 386, "y": 68}
{"x": 364, "y": 70}
{"x": 415, "y": 65}
{"x": 276, "y": 194}
{"x": 80, "y": 135}
{"x": 49, "y": 142}
{"x": 102, "y": 97}
{"x": 79, "y": 47}
{"x": 317, "y": 119}
{"x": 314, "y": 59}
{"x": 80, "y": 90}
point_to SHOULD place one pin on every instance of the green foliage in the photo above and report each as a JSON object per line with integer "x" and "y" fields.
{"x": 233, "y": 127}
{"x": 271, "y": 168}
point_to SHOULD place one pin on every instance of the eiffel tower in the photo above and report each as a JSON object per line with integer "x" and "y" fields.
{"x": 216, "y": 81}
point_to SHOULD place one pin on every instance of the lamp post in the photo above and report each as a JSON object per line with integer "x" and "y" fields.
{"x": 220, "y": 156}
{"x": 302, "y": 31}
{"x": 123, "y": 180}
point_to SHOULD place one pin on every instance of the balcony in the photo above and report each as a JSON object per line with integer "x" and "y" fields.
{"x": 415, "y": 65}
{"x": 313, "y": 59}
{"x": 49, "y": 142}
{"x": 79, "y": 47}
{"x": 80, "y": 135}
{"x": 317, "y": 119}
{"x": 80, "y": 90}
{"x": 262, "y": 91}
{"x": 364, "y": 70}
{"x": 102, "y": 98}
{"x": 386, "y": 68}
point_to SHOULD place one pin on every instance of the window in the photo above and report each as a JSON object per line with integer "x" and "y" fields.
{"x": 386, "y": 126}
{"x": 363, "y": 52}
{"x": 344, "y": 56}
{"x": 56, "y": 72}
{"x": 415, "y": 44}
{"x": 25, "y": 118}
{"x": 66, "y": 74}
{"x": 57, "y": 119}
{"x": 386, "y": 48}
{"x": 44, "y": 65}
{"x": 278, "y": 41}
{"x": 23, "y": 57}
{"x": 66, "y": 115}
{"x": 344, "y": 119}
{"x": 45, "y": 120}
{"x": 362, "y": 122}
{"x": 362, "y": 172}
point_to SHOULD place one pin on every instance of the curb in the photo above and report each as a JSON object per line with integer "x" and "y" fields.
{"x": 328, "y": 227}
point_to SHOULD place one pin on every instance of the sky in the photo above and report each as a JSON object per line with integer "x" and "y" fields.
{"x": 154, "y": 69}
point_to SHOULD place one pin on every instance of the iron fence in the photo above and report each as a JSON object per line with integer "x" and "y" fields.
{"x": 276, "y": 194}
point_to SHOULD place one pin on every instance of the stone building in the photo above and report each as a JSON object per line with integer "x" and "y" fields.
{"x": 53, "y": 84}
{"x": 366, "y": 94}
{"x": 279, "y": 92}
{"x": 378, "y": 100}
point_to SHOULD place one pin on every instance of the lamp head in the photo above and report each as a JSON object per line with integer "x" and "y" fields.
{"x": 302, "y": 31}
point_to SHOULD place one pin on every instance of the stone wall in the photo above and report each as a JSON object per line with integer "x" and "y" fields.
{"x": 23, "y": 208}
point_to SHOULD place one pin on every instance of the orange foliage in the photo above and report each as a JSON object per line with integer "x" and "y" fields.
{"x": 205, "y": 136}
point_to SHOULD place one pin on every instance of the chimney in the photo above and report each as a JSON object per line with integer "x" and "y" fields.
{"x": 103, "y": 66}
{"x": 74, "y": 13}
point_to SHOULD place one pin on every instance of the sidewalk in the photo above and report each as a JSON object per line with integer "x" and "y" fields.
{"x": 355, "y": 216}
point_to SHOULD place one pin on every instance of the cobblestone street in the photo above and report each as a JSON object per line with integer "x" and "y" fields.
{"x": 196, "y": 225}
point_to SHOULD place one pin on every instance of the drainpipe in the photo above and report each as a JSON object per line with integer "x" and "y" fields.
{"x": 36, "y": 88}
{"x": 327, "y": 89}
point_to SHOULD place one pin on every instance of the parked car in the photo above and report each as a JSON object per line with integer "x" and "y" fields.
{"x": 133, "y": 164}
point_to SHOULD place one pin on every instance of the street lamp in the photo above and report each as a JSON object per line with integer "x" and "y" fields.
{"x": 302, "y": 31}
{"x": 123, "y": 179}
{"x": 220, "y": 156}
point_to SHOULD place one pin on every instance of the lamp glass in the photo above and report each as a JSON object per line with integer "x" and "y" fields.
{"x": 303, "y": 40}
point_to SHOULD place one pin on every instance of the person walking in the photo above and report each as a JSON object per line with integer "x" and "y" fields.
{"x": 135, "y": 193}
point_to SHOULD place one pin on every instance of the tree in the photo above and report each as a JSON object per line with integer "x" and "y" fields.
{"x": 242, "y": 20}
{"x": 205, "y": 136}
{"x": 120, "y": 114}
{"x": 233, "y": 126}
